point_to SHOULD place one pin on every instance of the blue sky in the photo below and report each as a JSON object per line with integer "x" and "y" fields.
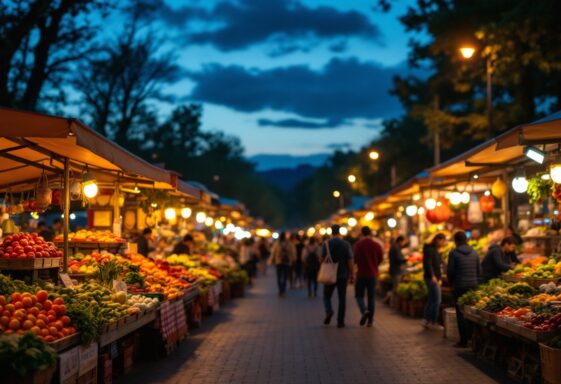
{"x": 288, "y": 77}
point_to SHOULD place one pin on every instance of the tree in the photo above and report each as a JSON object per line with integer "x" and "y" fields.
{"x": 39, "y": 41}
{"x": 119, "y": 83}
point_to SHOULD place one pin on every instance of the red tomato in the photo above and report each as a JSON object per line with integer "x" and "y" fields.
{"x": 42, "y": 296}
{"x": 47, "y": 304}
{"x": 58, "y": 301}
{"x": 16, "y": 297}
{"x": 65, "y": 320}
{"x": 27, "y": 302}
{"x": 14, "y": 324}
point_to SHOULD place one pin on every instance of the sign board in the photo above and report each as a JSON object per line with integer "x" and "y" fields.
{"x": 66, "y": 280}
{"x": 69, "y": 364}
{"x": 88, "y": 358}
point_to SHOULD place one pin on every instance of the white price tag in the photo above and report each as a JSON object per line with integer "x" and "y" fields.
{"x": 66, "y": 280}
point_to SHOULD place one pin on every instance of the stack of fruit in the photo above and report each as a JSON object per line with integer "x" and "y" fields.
{"x": 27, "y": 245}
{"x": 537, "y": 268}
{"x": 34, "y": 312}
{"x": 155, "y": 279}
{"x": 91, "y": 237}
{"x": 88, "y": 264}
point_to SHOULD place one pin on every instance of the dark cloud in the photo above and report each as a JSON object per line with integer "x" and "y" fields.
{"x": 172, "y": 17}
{"x": 234, "y": 25}
{"x": 339, "y": 146}
{"x": 338, "y": 47}
{"x": 343, "y": 89}
{"x": 298, "y": 123}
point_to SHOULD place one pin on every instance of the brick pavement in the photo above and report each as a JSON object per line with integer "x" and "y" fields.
{"x": 266, "y": 339}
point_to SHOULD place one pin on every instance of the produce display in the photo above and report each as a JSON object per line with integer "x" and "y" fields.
{"x": 536, "y": 268}
{"x": 91, "y": 237}
{"x": 24, "y": 354}
{"x": 27, "y": 246}
{"x": 413, "y": 290}
{"x": 35, "y": 312}
{"x": 88, "y": 264}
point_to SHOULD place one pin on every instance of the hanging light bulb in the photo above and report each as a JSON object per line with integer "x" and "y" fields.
{"x": 520, "y": 184}
{"x": 186, "y": 212}
{"x": 421, "y": 211}
{"x": 369, "y": 216}
{"x": 201, "y": 217}
{"x": 465, "y": 197}
{"x": 89, "y": 185}
{"x": 487, "y": 193}
{"x": 218, "y": 225}
{"x": 430, "y": 204}
{"x": 170, "y": 214}
{"x": 455, "y": 198}
{"x": 392, "y": 223}
{"x": 343, "y": 231}
{"x": 555, "y": 173}
{"x": 352, "y": 222}
{"x": 209, "y": 221}
{"x": 411, "y": 210}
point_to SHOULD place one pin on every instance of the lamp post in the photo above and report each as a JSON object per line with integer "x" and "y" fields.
{"x": 338, "y": 195}
{"x": 467, "y": 53}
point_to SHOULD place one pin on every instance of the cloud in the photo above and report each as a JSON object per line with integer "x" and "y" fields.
{"x": 343, "y": 89}
{"x": 339, "y": 146}
{"x": 236, "y": 25}
{"x": 299, "y": 123}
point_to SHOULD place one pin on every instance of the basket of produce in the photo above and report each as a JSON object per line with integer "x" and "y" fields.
{"x": 550, "y": 356}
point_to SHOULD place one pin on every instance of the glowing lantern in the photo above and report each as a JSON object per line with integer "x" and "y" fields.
{"x": 498, "y": 189}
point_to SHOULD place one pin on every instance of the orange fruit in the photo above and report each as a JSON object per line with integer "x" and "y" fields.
{"x": 58, "y": 301}
{"x": 53, "y": 331}
{"x": 16, "y": 297}
{"x": 27, "y": 302}
{"x": 27, "y": 324}
{"x": 42, "y": 296}
{"x": 65, "y": 320}
{"x": 40, "y": 323}
{"x": 47, "y": 304}
{"x": 14, "y": 324}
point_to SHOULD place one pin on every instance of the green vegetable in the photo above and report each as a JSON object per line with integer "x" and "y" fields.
{"x": 108, "y": 272}
{"x": 522, "y": 289}
{"x": 134, "y": 278}
{"x": 25, "y": 354}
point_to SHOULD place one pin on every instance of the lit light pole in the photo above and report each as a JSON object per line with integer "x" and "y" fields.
{"x": 374, "y": 155}
{"x": 467, "y": 53}
{"x": 339, "y": 196}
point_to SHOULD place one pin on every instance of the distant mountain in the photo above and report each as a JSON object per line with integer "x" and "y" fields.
{"x": 266, "y": 162}
{"x": 287, "y": 178}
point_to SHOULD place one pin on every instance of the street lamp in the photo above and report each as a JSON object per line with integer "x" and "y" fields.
{"x": 374, "y": 155}
{"x": 351, "y": 178}
{"x": 467, "y": 53}
{"x": 339, "y": 196}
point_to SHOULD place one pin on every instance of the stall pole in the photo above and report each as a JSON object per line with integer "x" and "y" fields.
{"x": 505, "y": 203}
{"x": 66, "y": 218}
{"x": 116, "y": 212}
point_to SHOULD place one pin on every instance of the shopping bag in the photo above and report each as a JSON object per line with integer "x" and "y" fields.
{"x": 328, "y": 270}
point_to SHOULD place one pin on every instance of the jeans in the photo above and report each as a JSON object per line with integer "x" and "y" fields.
{"x": 328, "y": 290}
{"x": 367, "y": 284}
{"x": 432, "y": 309}
{"x": 312, "y": 282}
{"x": 282, "y": 277}
{"x": 396, "y": 279}
{"x": 464, "y": 327}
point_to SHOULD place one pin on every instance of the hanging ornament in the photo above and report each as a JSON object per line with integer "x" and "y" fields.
{"x": 440, "y": 213}
{"x": 498, "y": 189}
{"x": 487, "y": 203}
{"x": 474, "y": 214}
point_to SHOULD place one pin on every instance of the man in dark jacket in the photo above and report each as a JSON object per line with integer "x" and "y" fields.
{"x": 143, "y": 242}
{"x": 495, "y": 261}
{"x": 368, "y": 254}
{"x": 432, "y": 261}
{"x": 397, "y": 262}
{"x": 463, "y": 274}
{"x": 341, "y": 253}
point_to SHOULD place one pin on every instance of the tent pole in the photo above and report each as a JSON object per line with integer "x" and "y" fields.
{"x": 66, "y": 219}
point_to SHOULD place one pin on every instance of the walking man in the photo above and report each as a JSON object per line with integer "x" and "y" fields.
{"x": 368, "y": 254}
{"x": 341, "y": 253}
{"x": 397, "y": 263}
{"x": 432, "y": 262}
{"x": 463, "y": 274}
{"x": 283, "y": 255}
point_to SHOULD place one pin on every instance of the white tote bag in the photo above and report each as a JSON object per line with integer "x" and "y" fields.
{"x": 328, "y": 270}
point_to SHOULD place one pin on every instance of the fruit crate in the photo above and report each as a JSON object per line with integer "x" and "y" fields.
{"x": 537, "y": 282}
{"x": 44, "y": 376}
{"x": 7, "y": 264}
{"x": 529, "y": 334}
{"x": 65, "y": 343}
{"x": 551, "y": 369}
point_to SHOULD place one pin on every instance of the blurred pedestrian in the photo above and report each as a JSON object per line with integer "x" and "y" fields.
{"x": 497, "y": 261}
{"x": 283, "y": 255}
{"x": 463, "y": 274}
{"x": 368, "y": 254}
{"x": 45, "y": 232}
{"x": 185, "y": 246}
{"x": 144, "y": 242}
{"x": 432, "y": 273}
{"x": 397, "y": 265}
{"x": 297, "y": 267}
{"x": 246, "y": 258}
{"x": 342, "y": 254}
{"x": 311, "y": 257}
{"x": 264, "y": 254}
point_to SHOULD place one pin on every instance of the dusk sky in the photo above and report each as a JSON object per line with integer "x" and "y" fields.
{"x": 288, "y": 77}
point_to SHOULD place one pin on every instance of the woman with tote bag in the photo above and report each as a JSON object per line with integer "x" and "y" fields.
{"x": 336, "y": 271}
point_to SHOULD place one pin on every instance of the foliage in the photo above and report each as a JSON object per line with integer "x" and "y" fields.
{"x": 412, "y": 290}
{"x": 239, "y": 276}
{"x": 25, "y": 354}
{"x": 539, "y": 189}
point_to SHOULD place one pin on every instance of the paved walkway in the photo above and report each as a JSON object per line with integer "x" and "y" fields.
{"x": 266, "y": 339}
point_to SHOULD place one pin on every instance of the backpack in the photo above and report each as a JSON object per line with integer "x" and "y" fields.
{"x": 284, "y": 255}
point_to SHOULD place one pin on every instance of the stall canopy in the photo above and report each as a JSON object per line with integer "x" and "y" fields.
{"x": 33, "y": 143}
{"x": 506, "y": 149}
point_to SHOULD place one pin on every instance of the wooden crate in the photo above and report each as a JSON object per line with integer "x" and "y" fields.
{"x": 30, "y": 264}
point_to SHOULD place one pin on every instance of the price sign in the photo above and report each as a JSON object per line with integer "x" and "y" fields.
{"x": 66, "y": 280}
